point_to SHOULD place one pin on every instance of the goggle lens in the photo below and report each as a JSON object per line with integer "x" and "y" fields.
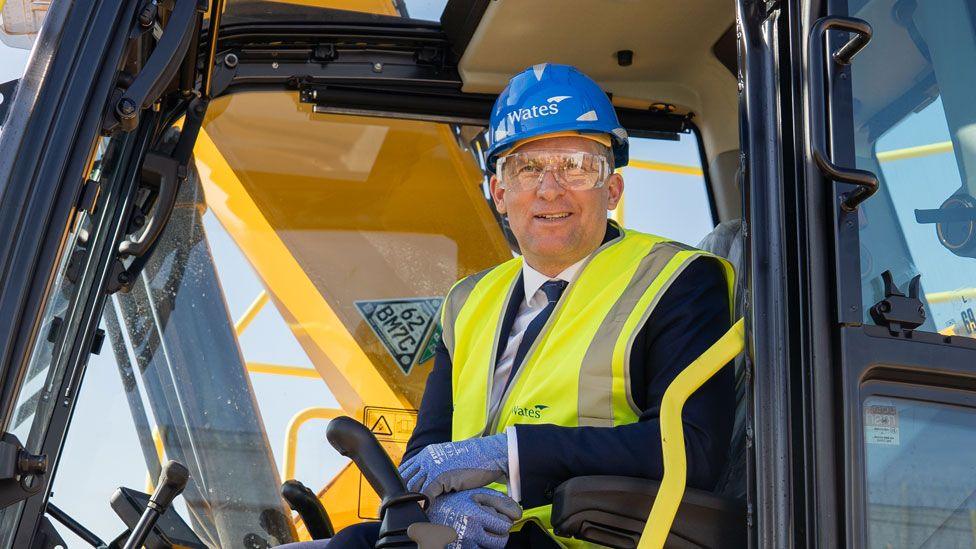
{"x": 572, "y": 170}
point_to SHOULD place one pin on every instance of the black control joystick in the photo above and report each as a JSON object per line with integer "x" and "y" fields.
{"x": 172, "y": 481}
{"x": 400, "y": 508}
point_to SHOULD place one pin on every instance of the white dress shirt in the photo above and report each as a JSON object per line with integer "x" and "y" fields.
{"x": 535, "y": 300}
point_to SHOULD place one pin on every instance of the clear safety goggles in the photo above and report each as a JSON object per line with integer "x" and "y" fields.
{"x": 575, "y": 171}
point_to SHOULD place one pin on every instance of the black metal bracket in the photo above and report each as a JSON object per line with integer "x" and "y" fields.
{"x": 162, "y": 176}
{"x": 898, "y": 312}
{"x": 866, "y": 181}
{"x": 224, "y": 71}
{"x": 125, "y": 106}
{"x": 19, "y": 470}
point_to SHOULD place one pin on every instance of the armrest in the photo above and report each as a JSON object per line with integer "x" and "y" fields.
{"x": 612, "y": 510}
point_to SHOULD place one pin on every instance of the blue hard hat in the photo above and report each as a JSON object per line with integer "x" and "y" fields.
{"x": 548, "y": 98}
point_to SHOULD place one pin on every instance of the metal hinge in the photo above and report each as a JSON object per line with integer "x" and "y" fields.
{"x": 19, "y": 470}
{"x": 126, "y": 104}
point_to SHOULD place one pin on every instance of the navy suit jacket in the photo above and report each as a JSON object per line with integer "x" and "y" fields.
{"x": 691, "y": 315}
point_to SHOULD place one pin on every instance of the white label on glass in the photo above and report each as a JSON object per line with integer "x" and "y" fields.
{"x": 881, "y": 425}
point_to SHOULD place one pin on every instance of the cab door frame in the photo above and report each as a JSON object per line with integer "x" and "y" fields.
{"x": 46, "y": 151}
{"x": 853, "y": 357}
{"x": 765, "y": 126}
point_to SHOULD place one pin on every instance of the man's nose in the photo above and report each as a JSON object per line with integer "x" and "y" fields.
{"x": 549, "y": 188}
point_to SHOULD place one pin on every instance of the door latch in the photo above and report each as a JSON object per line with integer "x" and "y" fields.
{"x": 898, "y": 312}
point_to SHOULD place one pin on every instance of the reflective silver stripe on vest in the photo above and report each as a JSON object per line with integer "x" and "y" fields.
{"x": 640, "y": 324}
{"x": 452, "y": 306}
{"x": 596, "y": 373}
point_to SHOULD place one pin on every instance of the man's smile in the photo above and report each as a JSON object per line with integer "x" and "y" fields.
{"x": 552, "y": 216}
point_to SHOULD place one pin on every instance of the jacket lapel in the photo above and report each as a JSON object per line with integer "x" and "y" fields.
{"x": 518, "y": 296}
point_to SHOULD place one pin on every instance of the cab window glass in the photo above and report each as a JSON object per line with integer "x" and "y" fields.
{"x": 297, "y": 280}
{"x": 921, "y": 478}
{"x": 38, "y": 399}
{"x": 914, "y": 129}
{"x": 665, "y": 191}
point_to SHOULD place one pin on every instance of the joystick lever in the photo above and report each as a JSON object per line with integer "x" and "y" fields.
{"x": 172, "y": 481}
{"x": 400, "y": 508}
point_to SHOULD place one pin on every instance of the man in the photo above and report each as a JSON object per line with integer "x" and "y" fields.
{"x": 553, "y": 364}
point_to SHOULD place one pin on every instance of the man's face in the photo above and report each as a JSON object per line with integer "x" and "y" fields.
{"x": 563, "y": 240}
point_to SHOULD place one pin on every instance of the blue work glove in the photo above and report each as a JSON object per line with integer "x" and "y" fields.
{"x": 482, "y": 517}
{"x": 456, "y": 466}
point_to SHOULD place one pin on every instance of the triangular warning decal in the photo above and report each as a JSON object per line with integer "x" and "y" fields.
{"x": 402, "y": 325}
{"x": 430, "y": 349}
{"x": 381, "y": 427}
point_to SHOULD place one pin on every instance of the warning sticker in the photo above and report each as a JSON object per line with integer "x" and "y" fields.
{"x": 430, "y": 349}
{"x": 404, "y": 326}
{"x": 392, "y": 427}
{"x": 390, "y": 424}
{"x": 881, "y": 425}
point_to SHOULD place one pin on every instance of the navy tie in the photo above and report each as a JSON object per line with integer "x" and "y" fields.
{"x": 553, "y": 289}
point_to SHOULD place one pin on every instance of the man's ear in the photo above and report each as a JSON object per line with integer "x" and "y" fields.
{"x": 615, "y": 189}
{"x": 497, "y": 194}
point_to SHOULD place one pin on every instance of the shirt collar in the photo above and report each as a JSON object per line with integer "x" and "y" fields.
{"x": 533, "y": 279}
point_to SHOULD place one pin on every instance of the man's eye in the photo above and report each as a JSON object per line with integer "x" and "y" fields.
{"x": 529, "y": 168}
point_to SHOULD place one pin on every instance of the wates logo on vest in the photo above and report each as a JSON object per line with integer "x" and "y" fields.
{"x": 534, "y": 412}
{"x": 551, "y": 107}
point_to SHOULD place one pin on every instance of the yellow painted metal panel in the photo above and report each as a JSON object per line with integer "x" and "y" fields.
{"x": 282, "y": 370}
{"x": 333, "y": 209}
{"x": 252, "y": 311}
{"x": 347, "y": 370}
{"x": 378, "y": 7}
{"x": 915, "y": 152}
{"x": 953, "y": 295}
{"x": 664, "y": 167}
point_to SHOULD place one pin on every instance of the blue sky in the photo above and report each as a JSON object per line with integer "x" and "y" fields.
{"x": 12, "y": 62}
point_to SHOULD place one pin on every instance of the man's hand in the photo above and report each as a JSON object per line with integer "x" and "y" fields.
{"x": 482, "y": 517}
{"x": 456, "y": 466}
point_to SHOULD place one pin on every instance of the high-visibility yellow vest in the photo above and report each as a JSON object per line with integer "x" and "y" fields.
{"x": 577, "y": 371}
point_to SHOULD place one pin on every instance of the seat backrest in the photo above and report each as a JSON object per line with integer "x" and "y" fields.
{"x": 726, "y": 240}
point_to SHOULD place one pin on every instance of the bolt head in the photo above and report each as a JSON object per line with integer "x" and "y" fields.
{"x": 377, "y": 67}
{"x": 126, "y": 108}
{"x": 231, "y": 60}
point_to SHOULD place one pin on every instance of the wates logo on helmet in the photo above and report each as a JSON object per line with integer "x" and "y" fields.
{"x": 551, "y": 107}
{"x": 534, "y": 412}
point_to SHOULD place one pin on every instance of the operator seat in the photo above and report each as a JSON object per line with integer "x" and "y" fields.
{"x": 612, "y": 510}
{"x": 727, "y": 240}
